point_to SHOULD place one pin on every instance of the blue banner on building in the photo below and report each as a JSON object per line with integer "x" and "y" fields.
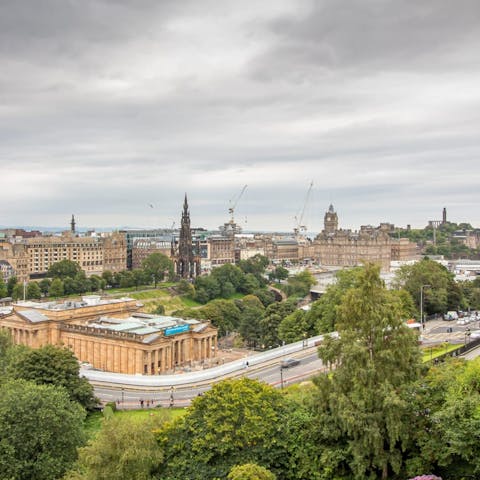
{"x": 175, "y": 330}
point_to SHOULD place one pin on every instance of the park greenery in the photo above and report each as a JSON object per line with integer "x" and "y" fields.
{"x": 445, "y": 242}
{"x": 377, "y": 412}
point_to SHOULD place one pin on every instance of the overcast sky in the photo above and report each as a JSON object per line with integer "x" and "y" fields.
{"x": 112, "y": 110}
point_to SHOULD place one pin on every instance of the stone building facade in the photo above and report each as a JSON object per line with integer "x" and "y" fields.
{"x": 142, "y": 248}
{"x": 112, "y": 335}
{"x": 31, "y": 257}
{"x": 345, "y": 248}
{"x": 220, "y": 250}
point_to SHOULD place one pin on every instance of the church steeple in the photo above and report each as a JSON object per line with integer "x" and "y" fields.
{"x": 72, "y": 224}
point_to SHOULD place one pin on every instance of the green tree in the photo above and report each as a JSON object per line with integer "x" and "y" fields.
{"x": 33, "y": 291}
{"x": 125, "y": 448}
{"x": 223, "y": 314}
{"x": 40, "y": 430}
{"x": 377, "y": 357}
{"x": 279, "y": 273}
{"x": 18, "y": 292}
{"x": 159, "y": 309}
{"x": 127, "y": 280}
{"x": 265, "y": 296}
{"x": 139, "y": 278}
{"x": 256, "y": 264}
{"x": 44, "y": 285}
{"x": 250, "y": 283}
{"x": 69, "y": 286}
{"x": 184, "y": 287}
{"x": 295, "y": 327}
{"x": 269, "y": 324}
{"x": 56, "y": 288}
{"x": 81, "y": 283}
{"x": 299, "y": 285}
{"x": 234, "y": 423}
{"x": 156, "y": 266}
{"x": 323, "y": 312}
{"x": 251, "y": 314}
{"x": 63, "y": 269}
{"x": 95, "y": 283}
{"x": 107, "y": 275}
{"x": 207, "y": 287}
{"x": 56, "y": 366}
{"x": 228, "y": 273}
{"x": 11, "y": 284}
{"x": 3, "y": 288}
{"x": 6, "y": 345}
{"x": 445, "y": 405}
{"x": 250, "y": 471}
{"x": 427, "y": 272}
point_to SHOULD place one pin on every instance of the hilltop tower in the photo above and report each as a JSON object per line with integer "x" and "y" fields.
{"x": 444, "y": 216}
{"x": 72, "y": 225}
{"x": 330, "y": 220}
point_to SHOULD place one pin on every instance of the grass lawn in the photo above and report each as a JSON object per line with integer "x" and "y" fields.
{"x": 190, "y": 302}
{"x": 93, "y": 422}
{"x": 149, "y": 294}
{"x": 434, "y": 351}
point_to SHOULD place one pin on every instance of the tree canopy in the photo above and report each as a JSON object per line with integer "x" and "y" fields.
{"x": 376, "y": 356}
{"x": 125, "y": 448}
{"x": 40, "y": 430}
{"x": 234, "y": 423}
{"x": 63, "y": 269}
{"x": 51, "y": 365}
{"x": 157, "y": 266}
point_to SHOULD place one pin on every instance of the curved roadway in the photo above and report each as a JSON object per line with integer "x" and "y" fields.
{"x": 178, "y": 390}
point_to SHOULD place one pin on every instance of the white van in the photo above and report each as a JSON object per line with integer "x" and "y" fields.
{"x": 452, "y": 315}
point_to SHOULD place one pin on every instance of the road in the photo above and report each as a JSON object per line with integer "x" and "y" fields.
{"x": 181, "y": 396}
{"x": 436, "y": 331}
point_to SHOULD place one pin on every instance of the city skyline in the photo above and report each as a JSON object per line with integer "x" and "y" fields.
{"x": 112, "y": 111}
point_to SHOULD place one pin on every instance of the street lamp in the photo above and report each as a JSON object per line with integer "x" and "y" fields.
{"x": 421, "y": 305}
{"x": 123, "y": 399}
{"x": 281, "y": 377}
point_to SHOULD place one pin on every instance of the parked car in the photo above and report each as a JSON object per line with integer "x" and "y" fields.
{"x": 289, "y": 362}
{"x": 463, "y": 321}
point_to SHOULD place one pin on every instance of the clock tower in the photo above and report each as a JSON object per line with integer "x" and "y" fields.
{"x": 330, "y": 220}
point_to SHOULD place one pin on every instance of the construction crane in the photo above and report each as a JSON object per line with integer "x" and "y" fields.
{"x": 299, "y": 226}
{"x": 233, "y": 203}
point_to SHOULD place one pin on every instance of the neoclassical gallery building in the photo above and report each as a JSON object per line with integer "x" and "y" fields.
{"x": 112, "y": 334}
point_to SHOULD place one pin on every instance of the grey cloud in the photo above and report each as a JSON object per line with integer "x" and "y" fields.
{"x": 376, "y": 102}
{"x": 360, "y": 36}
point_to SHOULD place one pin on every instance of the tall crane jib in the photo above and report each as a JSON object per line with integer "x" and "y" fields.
{"x": 233, "y": 203}
{"x": 299, "y": 225}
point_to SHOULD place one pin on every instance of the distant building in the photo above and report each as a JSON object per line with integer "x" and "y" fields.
{"x": 112, "y": 335}
{"x": 134, "y": 235}
{"x": 32, "y": 255}
{"x": 221, "y": 249}
{"x": 6, "y": 270}
{"x": 142, "y": 248}
{"x": 344, "y": 248}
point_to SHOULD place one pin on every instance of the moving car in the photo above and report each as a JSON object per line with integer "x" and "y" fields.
{"x": 452, "y": 315}
{"x": 289, "y": 362}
